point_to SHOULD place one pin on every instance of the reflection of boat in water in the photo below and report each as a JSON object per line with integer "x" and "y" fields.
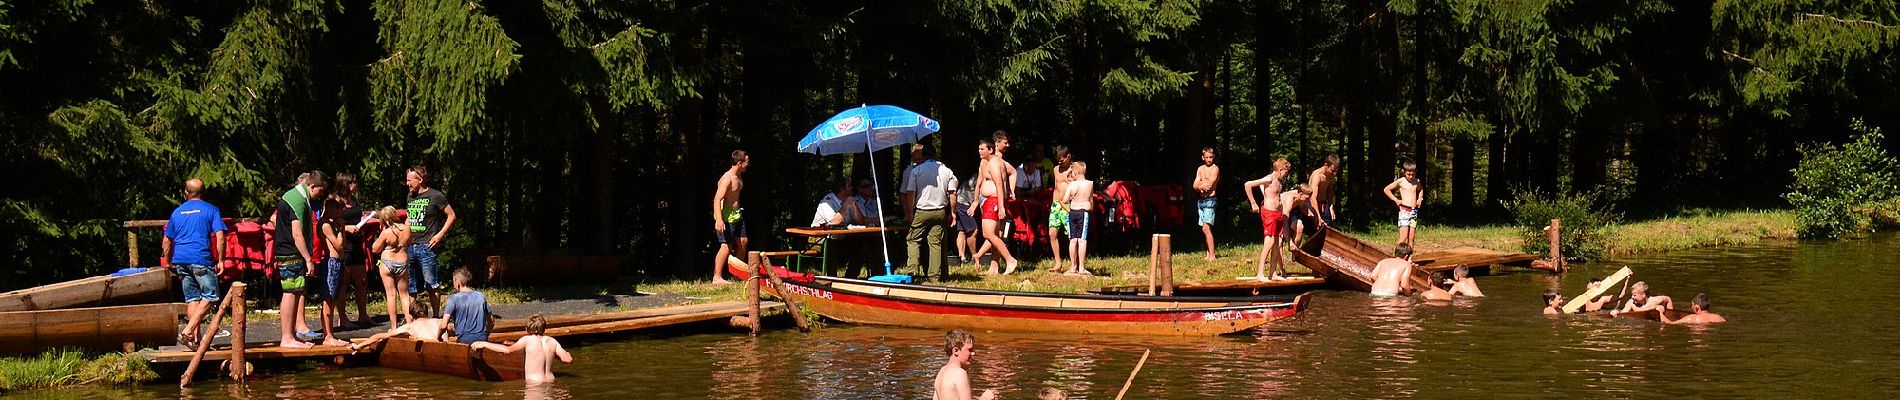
{"x": 453, "y": 359}
{"x": 937, "y": 307}
{"x": 1347, "y": 261}
{"x": 151, "y": 286}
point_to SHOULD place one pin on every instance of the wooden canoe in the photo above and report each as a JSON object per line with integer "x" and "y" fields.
{"x": 151, "y": 286}
{"x": 1347, "y": 261}
{"x": 936, "y": 307}
{"x": 99, "y": 328}
{"x": 1234, "y": 287}
{"x": 453, "y": 359}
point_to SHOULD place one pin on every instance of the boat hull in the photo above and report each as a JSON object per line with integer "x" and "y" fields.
{"x": 453, "y": 359}
{"x": 1347, "y": 261}
{"x": 151, "y": 286}
{"x": 98, "y": 328}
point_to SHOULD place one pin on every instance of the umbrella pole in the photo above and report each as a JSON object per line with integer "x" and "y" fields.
{"x": 882, "y": 239}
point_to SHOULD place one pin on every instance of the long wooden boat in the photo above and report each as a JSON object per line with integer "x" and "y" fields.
{"x": 1347, "y": 261}
{"x": 453, "y": 359}
{"x": 936, "y": 307}
{"x": 99, "y": 328}
{"x": 151, "y": 286}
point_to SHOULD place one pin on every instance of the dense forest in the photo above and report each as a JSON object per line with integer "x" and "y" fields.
{"x": 601, "y": 126}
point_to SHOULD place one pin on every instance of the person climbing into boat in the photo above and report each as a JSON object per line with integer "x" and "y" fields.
{"x": 393, "y": 263}
{"x": 728, "y": 217}
{"x": 1700, "y": 306}
{"x": 1553, "y": 302}
{"x": 1409, "y": 195}
{"x": 423, "y": 329}
{"x": 467, "y": 310}
{"x": 1463, "y": 284}
{"x": 953, "y": 383}
{"x": 294, "y": 254}
{"x": 193, "y": 245}
{"x": 993, "y": 186}
{"x": 1079, "y": 196}
{"x": 1293, "y": 202}
{"x": 1206, "y": 178}
{"x": 1641, "y": 301}
{"x": 542, "y": 351}
{"x": 1595, "y": 305}
{"x": 1272, "y": 218}
{"x": 1389, "y": 277}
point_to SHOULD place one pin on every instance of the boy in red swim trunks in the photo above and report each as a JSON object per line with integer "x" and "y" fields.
{"x": 992, "y": 179}
{"x": 1272, "y": 219}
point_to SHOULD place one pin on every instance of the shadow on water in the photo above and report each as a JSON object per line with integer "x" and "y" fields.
{"x": 1811, "y": 320}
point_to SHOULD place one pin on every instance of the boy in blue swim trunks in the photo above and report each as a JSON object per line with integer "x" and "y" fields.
{"x": 1204, "y": 180}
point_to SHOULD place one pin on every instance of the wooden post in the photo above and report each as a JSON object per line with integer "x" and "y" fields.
{"x": 752, "y": 291}
{"x": 131, "y": 247}
{"x": 239, "y": 369}
{"x": 1154, "y": 270}
{"x": 204, "y": 343}
{"x": 1164, "y": 257}
{"x": 778, "y": 286}
{"x": 1555, "y": 234}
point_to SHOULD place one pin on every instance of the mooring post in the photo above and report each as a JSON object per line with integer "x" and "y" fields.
{"x": 1165, "y": 259}
{"x": 204, "y": 343}
{"x": 1154, "y": 269}
{"x": 131, "y": 247}
{"x": 778, "y": 286}
{"x": 239, "y": 369}
{"x": 1555, "y": 234}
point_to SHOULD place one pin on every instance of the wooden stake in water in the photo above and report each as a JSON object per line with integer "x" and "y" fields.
{"x": 1131, "y": 375}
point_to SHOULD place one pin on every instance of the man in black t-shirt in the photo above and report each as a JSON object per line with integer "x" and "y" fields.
{"x": 430, "y": 218}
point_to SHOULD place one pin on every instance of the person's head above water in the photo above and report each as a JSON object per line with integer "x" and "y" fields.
{"x": 1461, "y": 272}
{"x": 1552, "y": 297}
{"x": 1701, "y": 302}
{"x": 1404, "y": 250}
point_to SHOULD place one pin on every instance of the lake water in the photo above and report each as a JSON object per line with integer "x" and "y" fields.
{"x": 1807, "y": 320}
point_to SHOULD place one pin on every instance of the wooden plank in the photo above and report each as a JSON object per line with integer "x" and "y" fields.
{"x": 638, "y": 324}
{"x": 973, "y": 299}
{"x": 153, "y": 285}
{"x": 267, "y": 351}
{"x": 1614, "y": 280}
{"x": 104, "y": 328}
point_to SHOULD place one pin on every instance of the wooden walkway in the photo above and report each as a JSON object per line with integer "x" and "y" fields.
{"x": 1234, "y": 287}
{"x": 1446, "y": 260}
{"x": 510, "y": 329}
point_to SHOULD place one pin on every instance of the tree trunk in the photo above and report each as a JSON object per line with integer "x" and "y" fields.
{"x": 1463, "y": 166}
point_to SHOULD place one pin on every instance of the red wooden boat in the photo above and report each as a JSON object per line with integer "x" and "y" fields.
{"x": 937, "y": 307}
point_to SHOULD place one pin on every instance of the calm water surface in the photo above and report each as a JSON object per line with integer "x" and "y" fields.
{"x": 1807, "y": 321}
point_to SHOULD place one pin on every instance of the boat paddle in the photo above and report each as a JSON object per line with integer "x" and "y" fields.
{"x": 1131, "y": 375}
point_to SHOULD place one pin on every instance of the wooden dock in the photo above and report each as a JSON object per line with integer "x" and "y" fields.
{"x": 512, "y": 329}
{"x": 1233, "y": 287}
{"x": 1446, "y": 260}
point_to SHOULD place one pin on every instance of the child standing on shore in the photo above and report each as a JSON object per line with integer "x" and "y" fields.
{"x": 1079, "y": 196}
{"x": 1410, "y": 195}
{"x": 1205, "y": 178}
{"x": 1272, "y": 219}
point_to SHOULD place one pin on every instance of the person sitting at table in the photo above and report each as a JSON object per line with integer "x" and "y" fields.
{"x": 839, "y": 210}
{"x": 866, "y": 198}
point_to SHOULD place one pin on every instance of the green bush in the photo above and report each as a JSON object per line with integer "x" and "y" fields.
{"x": 1838, "y": 189}
{"x": 1586, "y": 217}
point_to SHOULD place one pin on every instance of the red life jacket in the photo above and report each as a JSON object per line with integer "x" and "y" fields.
{"x": 1119, "y": 204}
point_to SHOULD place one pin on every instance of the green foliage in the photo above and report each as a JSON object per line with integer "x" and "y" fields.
{"x": 444, "y": 56}
{"x": 1834, "y": 185}
{"x": 1586, "y": 218}
{"x": 62, "y": 368}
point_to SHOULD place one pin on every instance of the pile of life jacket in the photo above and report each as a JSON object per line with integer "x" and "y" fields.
{"x": 1118, "y": 204}
{"x": 1165, "y": 205}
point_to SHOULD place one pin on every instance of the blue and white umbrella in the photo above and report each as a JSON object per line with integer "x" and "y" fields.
{"x": 869, "y": 129}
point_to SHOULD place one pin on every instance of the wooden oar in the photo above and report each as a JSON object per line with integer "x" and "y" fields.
{"x": 1131, "y": 375}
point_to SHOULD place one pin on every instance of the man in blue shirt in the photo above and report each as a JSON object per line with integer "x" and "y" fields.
{"x": 191, "y": 246}
{"x": 466, "y": 311}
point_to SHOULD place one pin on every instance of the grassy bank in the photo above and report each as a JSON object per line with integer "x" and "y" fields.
{"x": 61, "y": 368}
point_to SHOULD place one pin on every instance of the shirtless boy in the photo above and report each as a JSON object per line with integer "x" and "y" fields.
{"x": 1641, "y": 301}
{"x": 424, "y": 329}
{"x": 993, "y": 185}
{"x": 1700, "y": 305}
{"x": 1205, "y": 179}
{"x": 1059, "y": 210}
{"x": 1462, "y": 283}
{"x": 542, "y": 351}
{"x": 1553, "y": 302}
{"x": 1291, "y": 202}
{"x": 1390, "y": 276}
{"x": 1079, "y": 195}
{"x": 728, "y": 217}
{"x": 1597, "y": 304}
{"x": 1408, "y": 197}
{"x": 1272, "y": 218}
{"x": 1322, "y": 179}
{"x": 953, "y": 383}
